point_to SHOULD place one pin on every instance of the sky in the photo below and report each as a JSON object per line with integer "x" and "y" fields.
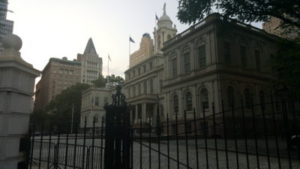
{"x": 58, "y": 28}
{"x": 61, "y": 28}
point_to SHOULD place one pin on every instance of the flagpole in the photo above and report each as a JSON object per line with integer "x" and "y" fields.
{"x": 129, "y": 46}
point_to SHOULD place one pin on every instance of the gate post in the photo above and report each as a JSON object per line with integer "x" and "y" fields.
{"x": 117, "y": 153}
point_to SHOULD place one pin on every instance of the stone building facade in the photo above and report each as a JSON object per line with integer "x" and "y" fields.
{"x": 91, "y": 63}
{"x": 217, "y": 60}
{"x": 275, "y": 26}
{"x": 58, "y": 75}
{"x": 145, "y": 51}
{"x": 16, "y": 91}
{"x": 92, "y": 106}
{"x": 143, "y": 80}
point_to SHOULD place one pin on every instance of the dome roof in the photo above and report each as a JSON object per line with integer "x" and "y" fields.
{"x": 147, "y": 35}
{"x": 12, "y": 41}
{"x": 165, "y": 17}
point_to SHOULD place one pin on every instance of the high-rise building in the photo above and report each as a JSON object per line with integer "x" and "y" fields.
{"x": 6, "y": 26}
{"x": 91, "y": 63}
{"x": 58, "y": 75}
{"x": 275, "y": 26}
{"x": 145, "y": 51}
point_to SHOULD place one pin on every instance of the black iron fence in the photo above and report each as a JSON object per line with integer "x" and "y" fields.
{"x": 262, "y": 136}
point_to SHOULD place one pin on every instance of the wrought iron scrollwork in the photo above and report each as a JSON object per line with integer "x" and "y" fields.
{"x": 118, "y": 98}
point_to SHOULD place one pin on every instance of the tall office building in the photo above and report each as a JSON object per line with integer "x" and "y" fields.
{"x": 91, "y": 63}
{"x": 6, "y": 26}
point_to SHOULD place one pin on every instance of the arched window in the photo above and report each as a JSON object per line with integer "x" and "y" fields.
{"x": 230, "y": 96}
{"x": 189, "y": 101}
{"x": 204, "y": 100}
{"x": 176, "y": 104}
{"x": 248, "y": 99}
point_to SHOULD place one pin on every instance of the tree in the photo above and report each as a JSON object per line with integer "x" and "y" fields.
{"x": 287, "y": 66}
{"x": 115, "y": 79}
{"x": 58, "y": 112}
{"x": 190, "y": 11}
{"x": 100, "y": 82}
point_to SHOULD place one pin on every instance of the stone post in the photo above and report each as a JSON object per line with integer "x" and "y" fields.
{"x": 16, "y": 90}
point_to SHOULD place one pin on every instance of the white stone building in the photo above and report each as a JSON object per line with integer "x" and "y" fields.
{"x": 91, "y": 63}
{"x": 214, "y": 60}
{"x": 143, "y": 80}
{"x": 92, "y": 105}
{"x": 217, "y": 60}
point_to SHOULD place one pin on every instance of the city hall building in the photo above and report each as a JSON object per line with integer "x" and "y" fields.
{"x": 216, "y": 60}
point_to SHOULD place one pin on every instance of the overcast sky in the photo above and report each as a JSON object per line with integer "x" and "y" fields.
{"x": 58, "y": 28}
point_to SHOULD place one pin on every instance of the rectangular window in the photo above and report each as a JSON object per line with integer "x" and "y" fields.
{"x": 145, "y": 87}
{"x": 150, "y": 65}
{"x": 257, "y": 60}
{"x": 139, "y": 89}
{"x": 227, "y": 53}
{"x": 243, "y": 54}
{"x": 174, "y": 67}
{"x": 151, "y": 86}
{"x": 186, "y": 62}
{"x": 97, "y": 101}
{"x": 202, "y": 56}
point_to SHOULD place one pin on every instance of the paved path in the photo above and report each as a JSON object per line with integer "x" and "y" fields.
{"x": 215, "y": 159}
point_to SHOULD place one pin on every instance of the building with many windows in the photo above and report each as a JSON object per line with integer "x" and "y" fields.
{"x": 216, "y": 60}
{"x": 6, "y": 26}
{"x": 91, "y": 63}
{"x": 143, "y": 79}
{"x": 58, "y": 75}
{"x": 92, "y": 106}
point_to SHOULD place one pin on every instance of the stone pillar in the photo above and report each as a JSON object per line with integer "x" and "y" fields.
{"x": 16, "y": 90}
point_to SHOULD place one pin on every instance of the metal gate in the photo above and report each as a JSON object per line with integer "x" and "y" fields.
{"x": 244, "y": 136}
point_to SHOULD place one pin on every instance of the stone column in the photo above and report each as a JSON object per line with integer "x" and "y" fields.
{"x": 144, "y": 118}
{"x": 16, "y": 90}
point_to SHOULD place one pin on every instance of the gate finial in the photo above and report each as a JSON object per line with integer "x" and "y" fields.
{"x": 119, "y": 98}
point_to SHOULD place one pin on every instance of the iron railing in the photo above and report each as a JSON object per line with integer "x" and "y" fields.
{"x": 263, "y": 136}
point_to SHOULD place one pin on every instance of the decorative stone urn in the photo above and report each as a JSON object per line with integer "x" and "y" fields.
{"x": 16, "y": 101}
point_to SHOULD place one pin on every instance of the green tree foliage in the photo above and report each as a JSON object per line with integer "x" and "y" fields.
{"x": 58, "y": 113}
{"x": 191, "y": 11}
{"x": 100, "y": 82}
{"x": 115, "y": 79}
{"x": 287, "y": 65}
